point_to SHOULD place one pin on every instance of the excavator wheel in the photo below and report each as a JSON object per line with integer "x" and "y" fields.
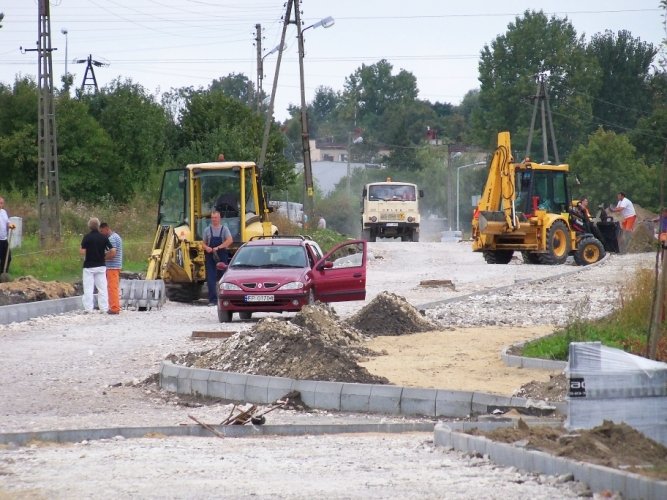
{"x": 530, "y": 257}
{"x": 589, "y": 251}
{"x": 185, "y": 292}
{"x": 497, "y": 256}
{"x": 558, "y": 244}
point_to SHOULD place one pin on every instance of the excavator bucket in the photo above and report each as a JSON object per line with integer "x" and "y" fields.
{"x": 142, "y": 294}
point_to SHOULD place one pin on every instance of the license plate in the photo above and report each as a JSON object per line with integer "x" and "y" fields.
{"x": 259, "y": 298}
{"x": 392, "y": 224}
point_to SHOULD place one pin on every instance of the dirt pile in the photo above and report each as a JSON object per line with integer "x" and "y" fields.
{"x": 313, "y": 346}
{"x": 29, "y": 289}
{"x": 642, "y": 239}
{"x": 555, "y": 389}
{"x": 390, "y": 314}
{"x": 612, "y": 445}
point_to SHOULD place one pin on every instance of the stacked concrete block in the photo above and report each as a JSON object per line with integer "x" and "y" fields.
{"x": 610, "y": 384}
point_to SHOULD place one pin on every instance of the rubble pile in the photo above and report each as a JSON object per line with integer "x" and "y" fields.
{"x": 390, "y": 314}
{"x": 313, "y": 346}
{"x": 29, "y": 289}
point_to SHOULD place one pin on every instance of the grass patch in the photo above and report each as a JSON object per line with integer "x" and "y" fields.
{"x": 625, "y": 329}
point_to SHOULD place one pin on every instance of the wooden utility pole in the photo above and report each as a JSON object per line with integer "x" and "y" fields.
{"x": 48, "y": 189}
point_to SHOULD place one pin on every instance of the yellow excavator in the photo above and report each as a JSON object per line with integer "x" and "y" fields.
{"x": 526, "y": 207}
{"x": 176, "y": 266}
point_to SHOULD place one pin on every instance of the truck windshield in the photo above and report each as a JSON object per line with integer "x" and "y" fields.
{"x": 391, "y": 192}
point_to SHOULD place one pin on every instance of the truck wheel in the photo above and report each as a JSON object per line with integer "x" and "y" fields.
{"x": 558, "y": 244}
{"x": 497, "y": 256}
{"x": 530, "y": 257}
{"x": 589, "y": 251}
{"x": 224, "y": 316}
{"x": 373, "y": 236}
{"x": 245, "y": 315}
{"x": 415, "y": 236}
{"x": 365, "y": 234}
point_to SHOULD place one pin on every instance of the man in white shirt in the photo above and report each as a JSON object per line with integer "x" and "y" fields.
{"x": 5, "y": 226}
{"x": 627, "y": 210}
{"x": 321, "y": 223}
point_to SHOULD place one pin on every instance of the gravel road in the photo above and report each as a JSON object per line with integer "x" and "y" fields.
{"x": 84, "y": 371}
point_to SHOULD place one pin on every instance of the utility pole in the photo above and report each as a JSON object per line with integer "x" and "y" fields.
{"x": 260, "y": 65}
{"x": 48, "y": 189}
{"x": 90, "y": 62}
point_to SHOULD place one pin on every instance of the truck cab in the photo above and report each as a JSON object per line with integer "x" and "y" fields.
{"x": 390, "y": 210}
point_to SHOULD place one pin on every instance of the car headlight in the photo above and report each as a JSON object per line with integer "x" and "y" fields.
{"x": 229, "y": 286}
{"x": 292, "y": 285}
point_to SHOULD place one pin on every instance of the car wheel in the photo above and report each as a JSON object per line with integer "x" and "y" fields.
{"x": 224, "y": 316}
{"x": 245, "y": 315}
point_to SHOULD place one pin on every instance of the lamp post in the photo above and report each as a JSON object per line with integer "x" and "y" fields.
{"x": 260, "y": 73}
{"x": 327, "y": 22}
{"x": 458, "y": 171}
{"x": 64, "y": 32}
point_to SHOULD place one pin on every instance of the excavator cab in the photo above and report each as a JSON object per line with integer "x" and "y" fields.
{"x": 540, "y": 189}
{"x": 187, "y": 199}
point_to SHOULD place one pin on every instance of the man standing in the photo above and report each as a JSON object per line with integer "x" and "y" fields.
{"x": 217, "y": 239}
{"x": 114, "y": 263}
{"x": 5, "y": 226}
{"x": 321, "y": 223}
{"x": 627, "y": 210}
{"x": 94, "y": 246}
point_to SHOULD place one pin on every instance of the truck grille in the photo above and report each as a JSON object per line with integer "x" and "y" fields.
{"x": 392, "y": 216}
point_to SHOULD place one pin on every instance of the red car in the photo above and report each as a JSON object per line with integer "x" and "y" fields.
{"x": 276, "y": 274}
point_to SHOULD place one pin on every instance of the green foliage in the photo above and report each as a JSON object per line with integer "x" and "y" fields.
{"x": 507, "y": 69}
{"x": 237, "y": 86}
{"x": 609, "y": 164}
{"x": 625, "y": 64}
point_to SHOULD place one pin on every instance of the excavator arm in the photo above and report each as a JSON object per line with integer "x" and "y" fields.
{"x": 495, "y": 212}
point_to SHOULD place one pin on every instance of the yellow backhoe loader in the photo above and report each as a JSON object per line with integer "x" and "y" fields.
{"x": 176, "y": 266}
{"x": 526, "y": 207}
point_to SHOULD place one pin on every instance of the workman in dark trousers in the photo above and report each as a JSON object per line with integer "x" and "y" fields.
{"x": 217, "y": 238}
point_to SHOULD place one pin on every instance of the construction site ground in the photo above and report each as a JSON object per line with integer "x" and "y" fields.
{"x": 97, "y": 371}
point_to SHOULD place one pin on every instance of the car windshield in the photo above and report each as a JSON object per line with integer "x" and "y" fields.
{"x": 269, "y": 256}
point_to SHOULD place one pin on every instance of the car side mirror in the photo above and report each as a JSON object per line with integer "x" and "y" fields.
{"x": 221, "y": 266}
{"x": 325, "y": 265}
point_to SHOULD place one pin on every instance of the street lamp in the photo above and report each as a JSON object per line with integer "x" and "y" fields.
{"x": 458, "y": 171}
{"x": 64, "y": 32}
{"x": 260, "y": 72}
{"x": 327, "y": 22}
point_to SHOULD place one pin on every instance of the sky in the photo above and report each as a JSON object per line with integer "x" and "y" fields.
{"x": 165, "y": 44}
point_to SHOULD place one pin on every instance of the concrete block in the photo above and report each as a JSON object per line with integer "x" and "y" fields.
{"x": 453, "y": 403}
{"x": 217, "y": 385}
{"x": 442, "y": 435}
{"x": 327, "y": 395}
{"x": 483, "y": 403}
{"x": 518, "y": 402}
{"x": 416, "y": 401}
{"x": 278, "y": 388}
{"x": 169, "y": 376}
{"x": 235, "y": 390}
{"x": 307, "y": 390}
{"x": 256, "y": 389}
{"x": 199, "y": 381}
{"x": 356, "y": 397}
{"x": 184, "y": 380}
{"x": 657, "y": 489}
{"x": 385, "y": 399}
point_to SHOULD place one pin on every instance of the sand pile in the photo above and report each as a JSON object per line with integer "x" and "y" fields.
{"x": 390, "y": 314}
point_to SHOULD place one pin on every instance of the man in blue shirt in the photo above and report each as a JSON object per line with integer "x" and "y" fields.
{"x": 114, "y": 262}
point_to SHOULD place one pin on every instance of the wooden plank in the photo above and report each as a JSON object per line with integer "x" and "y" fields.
{"x": 216, "y": 334}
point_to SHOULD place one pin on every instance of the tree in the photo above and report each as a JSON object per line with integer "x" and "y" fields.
{"x": 237, "y": 86}
{"x": 137, "y": 126}
{"x": 211, "y": 123}
{"x": 507, "y": 70}
{"x": 624, "y": 95}
{"x": 609, "y": 164}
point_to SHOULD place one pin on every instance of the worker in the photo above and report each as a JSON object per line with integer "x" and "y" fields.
{"x": 321, "y": 223}
{"x": 662, "y": 227}
{"x": 217, "y": 239}
{"x": 627, "y": 210}
{"x": 586, "y": 216}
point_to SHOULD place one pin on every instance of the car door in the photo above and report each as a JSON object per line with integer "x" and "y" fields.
{"x": 341, "y": 274}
